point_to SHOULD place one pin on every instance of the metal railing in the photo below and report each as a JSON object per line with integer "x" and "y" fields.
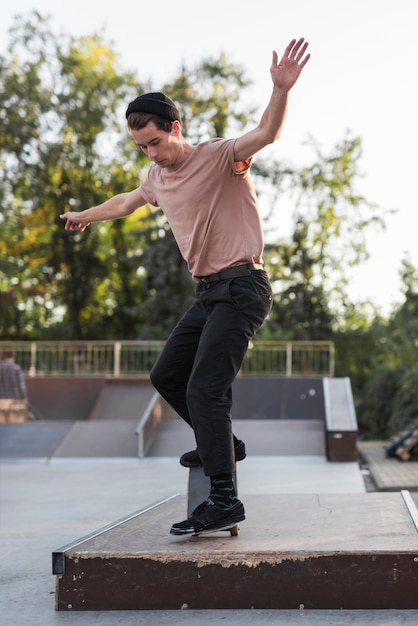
{"x": 136, "y": 358}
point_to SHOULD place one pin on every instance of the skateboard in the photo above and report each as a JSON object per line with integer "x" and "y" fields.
{"x": 198, "y": 490}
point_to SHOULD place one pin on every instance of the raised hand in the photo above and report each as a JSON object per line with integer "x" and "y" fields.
{"x": 285, "y": 73}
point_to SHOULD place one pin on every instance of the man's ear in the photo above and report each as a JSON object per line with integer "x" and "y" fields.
{"x": 176, "y": 128}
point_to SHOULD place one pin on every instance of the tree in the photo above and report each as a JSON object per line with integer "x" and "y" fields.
{"x": 61, "y": 95}
{"x": 63, "y": 146}
{"x": 331, "y": 220}
{"x": 380, "y": 356}
{"x": 300, "y": 310}
{"x": 208, "y": 93}
{"x": 402, "y": 338}
{"x": 337, "y": 217}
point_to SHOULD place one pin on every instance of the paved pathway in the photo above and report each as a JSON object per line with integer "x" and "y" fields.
{"x": 388, "y": 474}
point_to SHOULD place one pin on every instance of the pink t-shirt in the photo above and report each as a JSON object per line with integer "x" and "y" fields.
{"x": 210, "y": 204}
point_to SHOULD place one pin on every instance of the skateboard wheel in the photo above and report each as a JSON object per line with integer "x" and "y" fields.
{"x": 235, "y": 531}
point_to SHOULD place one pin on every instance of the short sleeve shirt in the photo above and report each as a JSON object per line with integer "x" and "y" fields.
{"x": 211, "y": 206}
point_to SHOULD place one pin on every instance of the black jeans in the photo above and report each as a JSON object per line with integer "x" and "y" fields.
{"x": 202, "y": 357}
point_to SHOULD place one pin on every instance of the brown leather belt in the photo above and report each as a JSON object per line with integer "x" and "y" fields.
{"x": 232, "y": 272}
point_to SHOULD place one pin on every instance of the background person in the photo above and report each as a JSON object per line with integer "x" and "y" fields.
{"x": 12, "y": 388}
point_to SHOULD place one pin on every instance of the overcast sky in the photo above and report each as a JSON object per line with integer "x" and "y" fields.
{"x": 362, "y": 78}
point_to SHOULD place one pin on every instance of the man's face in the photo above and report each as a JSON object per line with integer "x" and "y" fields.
{"x": 161, "y": 147}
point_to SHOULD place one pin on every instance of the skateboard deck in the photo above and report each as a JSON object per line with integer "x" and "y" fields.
{"x": 198, "y": 491}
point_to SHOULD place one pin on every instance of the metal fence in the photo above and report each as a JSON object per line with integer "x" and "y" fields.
{"x": 136, "y": 358}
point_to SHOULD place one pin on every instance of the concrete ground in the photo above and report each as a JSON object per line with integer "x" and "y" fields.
{"x": 45, "y": 505}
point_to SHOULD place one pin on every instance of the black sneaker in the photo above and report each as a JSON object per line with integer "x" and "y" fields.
{"x": 192, "y": 458}
{"x": 209, "y": 517}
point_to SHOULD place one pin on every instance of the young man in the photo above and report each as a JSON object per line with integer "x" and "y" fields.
{"x": 208, "y": 198}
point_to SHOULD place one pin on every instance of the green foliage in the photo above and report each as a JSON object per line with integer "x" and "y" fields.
{"x": 402, "y": 338}
{"x": 168, "y": 284}
{"x": 309, "y": 273}
{"x": 405, "y": 404}
{"x": 64, "y": 145}
{"x": 60, "y": 95}
{"x": 208, "y": 95}
{"x": 300, "y": 310}
{"x": 389, "y": 404}
{"x": 336, "y": 218}
{"x": 375, "y": 410}
{"x": 380, "y": 357}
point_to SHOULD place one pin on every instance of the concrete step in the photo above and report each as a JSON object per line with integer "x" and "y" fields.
{"x": 329, "y": 551}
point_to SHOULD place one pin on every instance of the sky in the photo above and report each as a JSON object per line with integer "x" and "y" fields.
{"x": 361, "y": 79}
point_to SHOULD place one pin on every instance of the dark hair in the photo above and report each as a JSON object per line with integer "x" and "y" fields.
{"x": 7, "y": 354}
{"x": 137, "y": 121}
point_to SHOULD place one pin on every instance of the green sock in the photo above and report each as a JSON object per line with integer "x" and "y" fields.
{"x": 222, "y": 490}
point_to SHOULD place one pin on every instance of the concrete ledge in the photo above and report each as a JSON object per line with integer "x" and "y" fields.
{"x": 351, "y": 551}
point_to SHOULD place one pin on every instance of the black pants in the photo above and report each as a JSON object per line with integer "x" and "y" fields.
{"x": 202, "y": 357}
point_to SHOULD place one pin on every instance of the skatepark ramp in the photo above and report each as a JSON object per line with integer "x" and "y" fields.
{"x": 120, "y": 424}
{"x": 112, "y": 428}
{"x": 274, "y": 415}
{"x": 280, "y": 416}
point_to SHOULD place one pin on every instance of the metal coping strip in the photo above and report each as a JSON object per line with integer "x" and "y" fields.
{"x": 410, "y": 505}
{"x": 327, "y": 384}
{"x": 58, "y": 556}
{"x": 327, "y": 402}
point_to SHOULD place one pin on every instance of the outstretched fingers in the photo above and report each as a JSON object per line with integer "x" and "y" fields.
{"x": 287, "y": 52}
{"x": 296, "y": 50}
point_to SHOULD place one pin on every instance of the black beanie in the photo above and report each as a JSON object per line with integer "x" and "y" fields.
{"x": 156, "y": 103}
